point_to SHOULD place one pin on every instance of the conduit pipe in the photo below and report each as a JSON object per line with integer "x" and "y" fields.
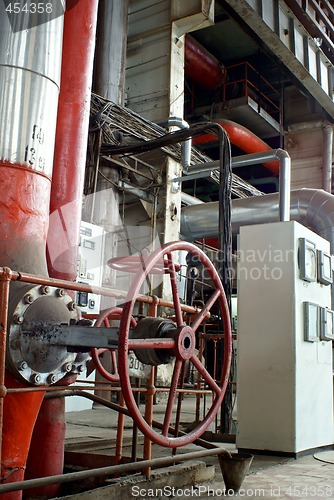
{"x": 29, "y": 78}
{"x": 314, "y": 208}
{"x": 65, "y": 207}
{"x": 174, "y": 121}
{"x": 327, "y": 157}
{"x": 243, "y": 138}
{"x": 201, "y": 66}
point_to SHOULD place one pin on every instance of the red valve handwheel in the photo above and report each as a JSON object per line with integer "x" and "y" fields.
{"x": 180, "y": 344}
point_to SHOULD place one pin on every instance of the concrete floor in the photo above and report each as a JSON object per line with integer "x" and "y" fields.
{"x": 93, "y": 432}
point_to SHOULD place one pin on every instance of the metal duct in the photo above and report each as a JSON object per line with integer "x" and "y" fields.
{"x": 314, "y": 208}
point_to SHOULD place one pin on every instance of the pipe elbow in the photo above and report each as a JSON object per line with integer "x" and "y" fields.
{"x": 175, "y": 121}
{"x": 282, "y": 154}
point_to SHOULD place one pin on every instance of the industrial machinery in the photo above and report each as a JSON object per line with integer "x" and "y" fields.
{"x": 156, "y": 330}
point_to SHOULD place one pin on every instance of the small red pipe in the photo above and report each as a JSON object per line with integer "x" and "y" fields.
{"x": 243, "y": 138}
{"x": 65, "y": 206}
{"x": 71, "y": 138}
{"x": 201, "y": 66}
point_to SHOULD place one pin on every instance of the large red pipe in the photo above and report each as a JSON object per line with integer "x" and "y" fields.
{"x": 71, "y": 138}
{"x": 243, "y": 138}
{"x": 65, "y": 208}
{"x": 201, "y": 66}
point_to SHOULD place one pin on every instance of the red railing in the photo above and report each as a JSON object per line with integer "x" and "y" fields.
{"x": 244, "y": 80}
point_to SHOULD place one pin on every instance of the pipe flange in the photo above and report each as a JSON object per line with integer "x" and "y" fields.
{"x": 30, "y": 358}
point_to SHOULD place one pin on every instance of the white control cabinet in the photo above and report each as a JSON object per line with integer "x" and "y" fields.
{"x": 284, "y": 368}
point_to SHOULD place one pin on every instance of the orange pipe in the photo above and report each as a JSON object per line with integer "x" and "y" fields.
{"x": 201, "y": 66}
{"x": 243, "y": 138}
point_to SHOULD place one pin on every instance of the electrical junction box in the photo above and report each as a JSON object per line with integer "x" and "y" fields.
{"x": 90, "y": 265}
{"x": 284, "y": 353}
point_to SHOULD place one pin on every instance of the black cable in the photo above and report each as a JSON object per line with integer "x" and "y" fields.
{"x": 167, "y": 139}
{"x": 225, "y": 233}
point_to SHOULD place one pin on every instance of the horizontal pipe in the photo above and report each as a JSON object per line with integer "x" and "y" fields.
{"x": 237, "y": 161}
{"x": 254, "y": 158}
{"x": 211, "y": 449}
{"x": 111, "y": 470}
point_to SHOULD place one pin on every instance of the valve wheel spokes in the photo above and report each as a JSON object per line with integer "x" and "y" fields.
{"x": 114, "y": 313}
{"x": 179, "y": 342}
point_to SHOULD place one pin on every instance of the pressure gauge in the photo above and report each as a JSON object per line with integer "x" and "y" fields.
{"x": 325, "y": 274}
{"x": 311, "y": 322}
{"x": 307, "y": 260}
{"x": 326, "y": 324}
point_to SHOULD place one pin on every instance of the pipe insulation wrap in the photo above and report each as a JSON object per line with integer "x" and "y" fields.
{"x": 30, "y": 62}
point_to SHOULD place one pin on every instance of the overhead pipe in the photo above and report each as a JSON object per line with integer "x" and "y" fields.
{"x": 243, "y": 138}
{"x": 65, "y": 207}
{"x": 327, "y": 157}
{"x": 30, "y": 61}
{"x": 201, "y": 66}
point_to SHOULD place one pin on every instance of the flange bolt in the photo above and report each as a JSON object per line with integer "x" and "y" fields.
{"x": 18, "y": 319}
{"x": 22, "y": 366}
{"x": 35, "y": 378}
{"x": 45, "y": 290}
{"x": 67, "y": 367}
{"x": 28, "y": 299}
{"x": 52, "y": 379}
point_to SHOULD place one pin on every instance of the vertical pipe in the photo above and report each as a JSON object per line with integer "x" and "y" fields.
{"x": 284, "y": 185}
{"x": 29, "y": 78}
{"x": 71, "y": 139}
{"x": 109, "y": 78}
{"x": 327, "y": 157}
{"x": 66, "y": 199}
{"x": 109, "y": 82}
{"x": 4, "y": 299}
